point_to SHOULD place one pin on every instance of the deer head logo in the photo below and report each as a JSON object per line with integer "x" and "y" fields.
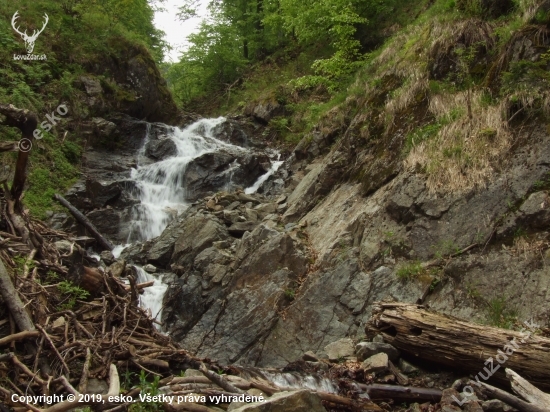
{"x": 29, "y": 40}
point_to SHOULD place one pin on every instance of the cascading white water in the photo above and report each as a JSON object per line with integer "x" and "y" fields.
{"x": 274, "y": 167}
{"x": 160, "y": 189}
{"x": 151, "y": 298}
{"x": 159, "y": 185}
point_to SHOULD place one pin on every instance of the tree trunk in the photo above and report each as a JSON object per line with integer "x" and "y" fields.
{"x": 453, "y": 342}
{"x": 83, "y": 220}
{"x": 26, "y": 121}
{"x": 14, "y": 304}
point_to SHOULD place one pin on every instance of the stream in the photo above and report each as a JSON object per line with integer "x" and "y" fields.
{"x": 162, "y": 194}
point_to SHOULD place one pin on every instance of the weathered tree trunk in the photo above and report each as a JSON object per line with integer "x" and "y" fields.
{"x": 26, "y": 121}
{"x": 453, "y": 342}
{"x": 83, "y": 220}
{"x": 14, "y": 304}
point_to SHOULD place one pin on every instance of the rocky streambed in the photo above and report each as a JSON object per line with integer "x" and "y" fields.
{"x": 265, "y": 264}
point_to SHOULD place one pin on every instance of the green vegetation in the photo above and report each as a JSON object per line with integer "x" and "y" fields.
{"x": 290, "y": 294}
{"x": 409, "y": 271}
{"x": 499, "y": 314}
{"x": 149, "y": 388}
{"x": 71, "y": 293}
{"x": 80, "y": 36}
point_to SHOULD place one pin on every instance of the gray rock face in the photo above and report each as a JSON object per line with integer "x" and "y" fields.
{"x": 161, "y": 149}
{"x": 299, "y": 401}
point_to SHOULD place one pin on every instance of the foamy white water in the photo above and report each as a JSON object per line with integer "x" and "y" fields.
{"x": 160, "y": 185}
{"x": 160, "y": 189}
{"x": 151, "y": 298}
{"x": 274, "y": 167}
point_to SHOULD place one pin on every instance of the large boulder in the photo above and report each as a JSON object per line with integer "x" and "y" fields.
{"x": 215, "y": 171}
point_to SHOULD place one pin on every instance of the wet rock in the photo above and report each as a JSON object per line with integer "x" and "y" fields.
{"x": 212, "y": 172}
{"x": 342, "y": 348}
{"x": 161, "y": 149}
{"x": 298, "y": 401}
{"x": 231, "y": 131}
{"x": 150, "y": 268}
{"x": 365, "y": 350}
{"x": 375, "y": 363}
{"x": 107, "y": 257}
{"x": 102, "y": 194}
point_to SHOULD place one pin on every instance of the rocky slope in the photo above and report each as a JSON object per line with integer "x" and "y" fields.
{"x": 352, "y": 218}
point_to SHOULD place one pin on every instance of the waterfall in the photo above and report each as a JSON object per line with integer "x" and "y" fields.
{"x": 273, "y": 169}
{"x": 161, "y": 193}
{"x": 159, "y": 185}
{"x": 151, "y": 298}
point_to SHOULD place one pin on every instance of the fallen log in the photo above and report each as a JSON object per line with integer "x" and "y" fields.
{"x": 509, "y": 399}
{"x": 401, "y": 393}
{"x": 530, "y": 393}
{"x": 84, "y": 221}
{"x": 459, "y": 344}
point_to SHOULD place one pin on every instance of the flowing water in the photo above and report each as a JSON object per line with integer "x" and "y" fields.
{"x": 160, "y": 185}
{"x": 160, "y": 190}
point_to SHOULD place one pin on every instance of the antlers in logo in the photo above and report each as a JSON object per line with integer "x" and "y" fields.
{"x": 29, "y": 40}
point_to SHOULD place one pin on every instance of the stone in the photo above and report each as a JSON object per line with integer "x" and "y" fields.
{"x": 266, "y": 208}
{"x": 406, "y": 367}
{"x": 414, "y": 408}
{"x": 340, "y": 349}
{"x": 365, "y": 350}
{"x": 375, "y": 363}
{"x": 378, "y": 338}
{"x": 472, "y": 406}
{"x": 447, "y": 398}
{"x": 281, "y": 199}
{"x": 150, "y": 268}
{"x": 91, "y": 85}
{"x": 103, "y": 128}
{"x": 192, "y": 372}
{"x": 233, "y": 206}
{"x": 63, "y": 246}
{"x": 238, "y": 229}
{"x": 117, "y": 268}
{"x": 161, "y": 149}
{"x": 495, "y": 405}
{"x": 107, "y": 257}
{"x": 309, "y": 356}
{"x": 290, "y": 226}
{"x": 97, "y": 386}
{"x": 296, "y": 401}
{"x": 58, "y": 323}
